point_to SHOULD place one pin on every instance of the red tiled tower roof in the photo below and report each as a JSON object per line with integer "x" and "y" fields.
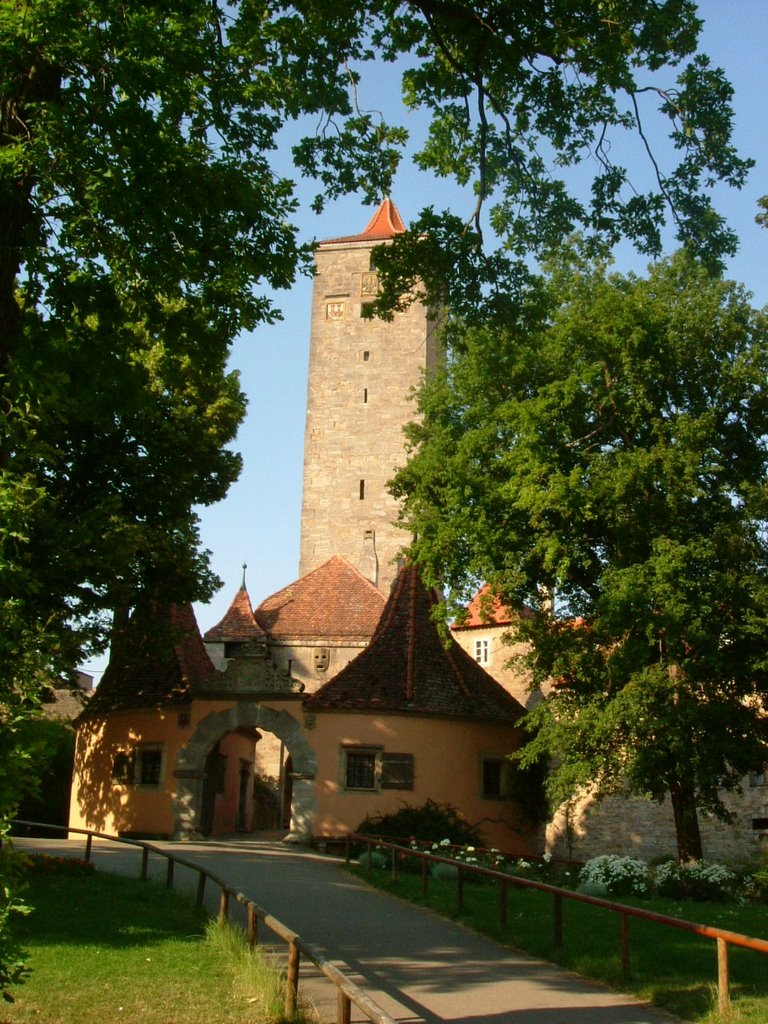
{"x": 407, "y": 667}
{"x": 159, "y": 658}
{"x": 239, "y": 623}
{"x": 333, "y": 602}
{"x": 383, "y": 225}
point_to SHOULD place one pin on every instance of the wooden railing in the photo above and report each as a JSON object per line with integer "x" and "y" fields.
{"x": 723, "y": 938}
{"x": 347, "y": 991}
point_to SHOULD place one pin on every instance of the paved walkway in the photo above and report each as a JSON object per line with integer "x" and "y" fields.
{"x": 419, "y": 967}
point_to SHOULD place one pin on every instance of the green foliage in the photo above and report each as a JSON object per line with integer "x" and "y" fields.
{"x": 13, "y": 958}
{"x": 144, "y": 218}
{"x": 606, "y": 445}
{"x": 429, "y": 822}
{"x": 47, "y": 799}
{"x": 695, "y": 880}
{"x": 610, "y": 875}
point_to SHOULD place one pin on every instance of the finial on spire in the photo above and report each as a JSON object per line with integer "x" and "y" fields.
{"x": 242, "y": 585}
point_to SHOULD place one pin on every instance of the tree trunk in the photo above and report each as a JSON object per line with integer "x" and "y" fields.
{"x": 682, "y": 793}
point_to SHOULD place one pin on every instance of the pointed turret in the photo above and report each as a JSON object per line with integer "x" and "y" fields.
{"x": 157, "y": 659}
{"x": 239, "y": 624}
{"x": 407, "y": 667}
{"x": 383, "y": 225}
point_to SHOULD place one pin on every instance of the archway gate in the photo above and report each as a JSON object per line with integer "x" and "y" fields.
{"x": 189, "y": 770}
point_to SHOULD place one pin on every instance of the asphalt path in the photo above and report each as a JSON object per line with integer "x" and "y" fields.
{"x": 416, "y": 965}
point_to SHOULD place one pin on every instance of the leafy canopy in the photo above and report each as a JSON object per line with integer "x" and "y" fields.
{"x": 609, "y": 447}
{"x": 146, "y": 206}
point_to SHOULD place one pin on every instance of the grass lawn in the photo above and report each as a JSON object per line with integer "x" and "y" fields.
{"x": 670, "y": 968}
{"x": 104, "y": 948}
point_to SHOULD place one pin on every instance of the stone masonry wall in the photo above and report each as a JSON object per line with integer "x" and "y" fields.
{"x": 586, "y": 827}
{"x": 361, "y": 373}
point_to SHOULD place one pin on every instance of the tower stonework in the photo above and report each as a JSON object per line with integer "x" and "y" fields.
{"x": 361, "y": 374}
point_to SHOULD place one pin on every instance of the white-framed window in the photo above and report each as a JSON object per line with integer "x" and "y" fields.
{"x": 372, "y": 769}
{"x": 757, "y": 778}
{"x": 483, "y": 651}
{"x": 494, "y": 776}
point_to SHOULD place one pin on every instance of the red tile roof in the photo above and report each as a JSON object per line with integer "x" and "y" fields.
{"x": 238, "y": 624}
{"x": 333, "y": 602}
{"x": 158, "y": 660}
{"x": 486, "y": 609}
{"x": 408, "y": 668}
{"x": 385, "y": 224}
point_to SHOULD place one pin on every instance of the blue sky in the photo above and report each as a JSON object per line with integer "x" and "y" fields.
{"x": 258, "y": 522}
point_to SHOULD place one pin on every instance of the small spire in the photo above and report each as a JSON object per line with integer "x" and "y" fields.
{"x": 242, "y": 585}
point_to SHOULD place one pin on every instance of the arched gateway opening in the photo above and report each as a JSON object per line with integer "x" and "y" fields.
{"x": 189, "y": 771}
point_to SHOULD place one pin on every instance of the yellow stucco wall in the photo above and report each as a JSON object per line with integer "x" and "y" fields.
{"x": 105, "y": 804}
{"x": 447, "y": 769}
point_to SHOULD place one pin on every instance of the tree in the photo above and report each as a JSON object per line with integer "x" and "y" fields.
{"x": 143, "y": 214}
{"x": 608, "y": 447}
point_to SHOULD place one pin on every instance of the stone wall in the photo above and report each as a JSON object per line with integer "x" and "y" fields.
{"x": 361, "y": 373}
{"x": 587, "y": 827}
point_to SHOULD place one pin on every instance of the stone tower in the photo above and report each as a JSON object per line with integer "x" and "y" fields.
{"x": 361, "y": 373}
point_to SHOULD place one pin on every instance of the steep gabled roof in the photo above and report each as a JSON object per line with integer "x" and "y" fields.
{"x": 333, "y": 602}
{"x": 407, "y": 667}
{"x": 239, "y": 623}
{"x": 383, "y": 225}
{"x": 158, "y": 659}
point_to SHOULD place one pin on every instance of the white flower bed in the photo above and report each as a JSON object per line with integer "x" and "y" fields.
{"x": 611, "y": 875}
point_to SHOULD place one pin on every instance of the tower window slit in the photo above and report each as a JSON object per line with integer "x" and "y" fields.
{"x": 365, "y": 396}
{"x": 362, "y": 490}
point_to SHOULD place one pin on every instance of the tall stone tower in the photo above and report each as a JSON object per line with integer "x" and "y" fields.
{"x": 361, "y": 372}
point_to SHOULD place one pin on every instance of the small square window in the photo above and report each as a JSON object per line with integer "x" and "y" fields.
{"x": 360, "y": 769}
{"x": 494, "y": 781}
{"x": 122, "y": 768}
{"x": 149, "y": 766}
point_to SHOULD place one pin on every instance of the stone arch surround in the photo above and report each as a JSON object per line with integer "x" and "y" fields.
{"x": 190, "y": 764}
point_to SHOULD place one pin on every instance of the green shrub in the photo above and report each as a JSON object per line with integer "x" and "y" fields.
{"x": 611, "y": 875}
{"x": 697, "y": 880}
{"x": 432, "y": 821}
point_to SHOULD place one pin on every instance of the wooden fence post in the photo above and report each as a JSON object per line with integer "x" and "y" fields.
{"x": 169, "y": 873}
{"x": 144, "y": 863}
{"x": 369, "y": 850}
{"x": 253, "y": 926}
{"x": 88, "y": 841}
{"x": 201, "y": 879}
{"x": 292, "y": 981}
{"x": 723, "y": 977}
{"x": 348, "y": 848}
{"x": 460, "y": 887}
{"x": 424, "y": 876}
{"x": 625, "y": 944}
{"x": 503, "y": 900}
{"x": 343, "y": 1008}
{"x": 223, "y": 906}
{"x": 558, "y": 920}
